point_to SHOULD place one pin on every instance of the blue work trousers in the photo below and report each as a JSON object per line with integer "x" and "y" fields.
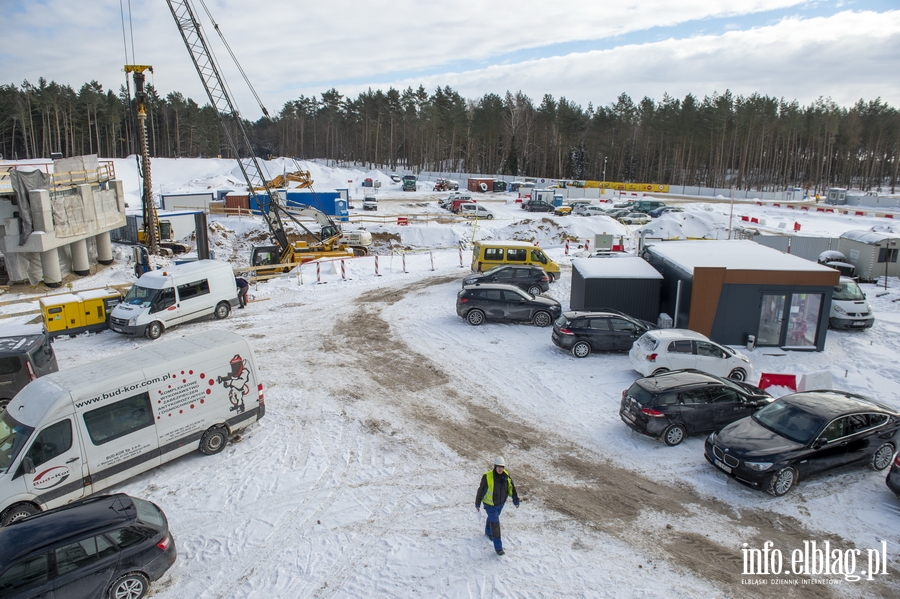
{"x": 492, "y": 526}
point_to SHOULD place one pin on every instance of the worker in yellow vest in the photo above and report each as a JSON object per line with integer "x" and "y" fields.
{"x": 496, "y": 486}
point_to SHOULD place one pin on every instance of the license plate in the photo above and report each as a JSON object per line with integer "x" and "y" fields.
{"x": 859, "y": 323}
{"x": 116, "y": 329}
{"x": 628, "y": 416}
{"x": 722, "y": 465}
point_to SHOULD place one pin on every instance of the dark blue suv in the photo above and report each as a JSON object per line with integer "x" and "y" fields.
{"x": 109, "y": 546}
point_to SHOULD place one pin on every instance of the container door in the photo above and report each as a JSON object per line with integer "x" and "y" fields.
{"x": 771, "y": 319}
{"x": 58, "y": 476}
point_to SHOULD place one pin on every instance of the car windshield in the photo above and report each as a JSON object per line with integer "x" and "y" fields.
{"x": 13, "y": 435}
{"x": 847, "y": 291}
{"x": 791, "y": 421}
{"x": 140, "y": 296}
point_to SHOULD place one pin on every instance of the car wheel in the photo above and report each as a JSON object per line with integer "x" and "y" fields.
{"x": 673, "y": 435}
{"x": 581, "y": 349}
{"x": 489, "y": 216}
{"x": 882, "y": 457}
{"x": 475, "y": 317}
{"x": 659, "y": 371}
{"x": 782, "y": 481}
{"x": 130, "y": 586}
{"x": 154, "y": 329}
{"x": 213, "y": 440}
{"x": 18, "y": 511}
{"x": 541, "y": 319}
{"x": 534, "y": 290}
{"x": 222, "y": 310}
{"x": 738, "y": 374}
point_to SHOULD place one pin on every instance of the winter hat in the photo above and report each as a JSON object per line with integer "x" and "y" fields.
{"x": 499, "y": 462}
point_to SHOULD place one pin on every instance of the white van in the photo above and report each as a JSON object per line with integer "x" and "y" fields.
{"x": 164, "y": 298}
{"x": 475, "y": 210}
{"x": 72, "y": 433}
{"x": 849, "y": 308}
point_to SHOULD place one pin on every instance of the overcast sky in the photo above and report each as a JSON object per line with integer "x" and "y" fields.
{"x": 585, "y": 51}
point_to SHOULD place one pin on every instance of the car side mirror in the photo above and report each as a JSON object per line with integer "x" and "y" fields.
{"x": 820, "y": 443}
{"x": 28, "y": 465}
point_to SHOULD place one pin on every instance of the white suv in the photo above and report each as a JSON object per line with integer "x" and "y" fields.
{"x": 659, "y": 351}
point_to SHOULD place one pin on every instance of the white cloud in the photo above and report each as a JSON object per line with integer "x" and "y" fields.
{"x": 289, "y": 49}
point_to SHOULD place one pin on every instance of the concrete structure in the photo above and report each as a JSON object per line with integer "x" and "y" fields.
{"x": 70, "y": 222}
{"x": 731, "y": 290}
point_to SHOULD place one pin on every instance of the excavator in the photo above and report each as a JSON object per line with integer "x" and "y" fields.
{"x": 281, "y": 254}
{"x": 302, "y": 178}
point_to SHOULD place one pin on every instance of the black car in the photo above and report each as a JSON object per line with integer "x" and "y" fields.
{"x": 105, "y": 546}
{"x": 893, "y": 477}
{"x": 538, "y": 206}
{"x": 672, "y": 405}
{"x": 496, "y": 301}
{"x": 804, "y": 434}
{"x": 584, "y": 332}
{"x": 532, "y": 279}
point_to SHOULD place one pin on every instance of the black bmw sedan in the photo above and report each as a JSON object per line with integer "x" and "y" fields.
{"x": 804, "y": 434}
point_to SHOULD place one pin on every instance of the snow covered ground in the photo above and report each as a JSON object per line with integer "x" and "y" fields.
{"x": 384, "y": 408}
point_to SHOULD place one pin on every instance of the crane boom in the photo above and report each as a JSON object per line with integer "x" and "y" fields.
{"x": 271, "y": 207}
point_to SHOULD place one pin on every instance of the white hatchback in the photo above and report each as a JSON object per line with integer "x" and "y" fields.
{"x": 674, "y": 349}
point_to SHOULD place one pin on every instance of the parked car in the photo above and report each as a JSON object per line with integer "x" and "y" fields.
{"x": 25, "y": 354}
{"x": 395, "y": 177}
{"x": 804, "y": 434}
{"x": 622, "y": 205}
{"x": 646, "y": 205}
{"x": 674, "y": 404}
{"x": 893, "y": 477}
{"x": 586, "y": 332}
{"x": 849, "y": 308}
{"x": 617, "y": 213}
{"x": 634, "y": 218}
{"x": 570, "y": 207}
{"x": 475, "y": 211}
{"x": 496, "y": 301}
{"x": 370, "y": 203}
{"x": 538, "y": 206}
{"x": 532, "y": 279}
{"x": 105, "y": 546}
{"x": 590, "y": 210}
{"x": 657, "y": 212}
{"x": 676, "y": 349}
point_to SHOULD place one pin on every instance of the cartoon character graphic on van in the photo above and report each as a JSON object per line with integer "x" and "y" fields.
{"x": 237, "y": 383}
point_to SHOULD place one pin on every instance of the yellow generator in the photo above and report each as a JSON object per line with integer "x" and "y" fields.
{"x": 73, "y": 313}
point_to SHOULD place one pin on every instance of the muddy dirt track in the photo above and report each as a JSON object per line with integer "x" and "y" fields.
{"x": 666, "y": 521}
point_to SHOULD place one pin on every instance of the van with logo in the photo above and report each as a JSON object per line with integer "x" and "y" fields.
{"x": 164, "y": 298}
{"x": 72, "y": 433}
{"x": 488, "y": 254}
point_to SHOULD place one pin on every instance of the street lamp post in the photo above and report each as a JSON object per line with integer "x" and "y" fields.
{"x": 604, "y": 169}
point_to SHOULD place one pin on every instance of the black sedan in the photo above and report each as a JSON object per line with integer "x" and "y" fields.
{"x": 495, "y": 301}
{"x": 609, "y": 330}
{"x": 893, "y": 477}
{"x": 532, "y": 279}
{"x": 672, "y": 405}
{"x": 804, "y": 434}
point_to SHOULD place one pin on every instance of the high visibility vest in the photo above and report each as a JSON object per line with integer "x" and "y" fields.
{"x": 488, "y": 498}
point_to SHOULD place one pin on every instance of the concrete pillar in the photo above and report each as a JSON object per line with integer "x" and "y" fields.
{"x": 80, "y": 263}
{"x": 50, "y": 266}
{"x": 104, "y": 248}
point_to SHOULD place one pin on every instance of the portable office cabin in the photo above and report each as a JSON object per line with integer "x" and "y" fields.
{"x": 872, "y": 253}
{"x": 625, "y": 283}
{"x": 730, "y": 290}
